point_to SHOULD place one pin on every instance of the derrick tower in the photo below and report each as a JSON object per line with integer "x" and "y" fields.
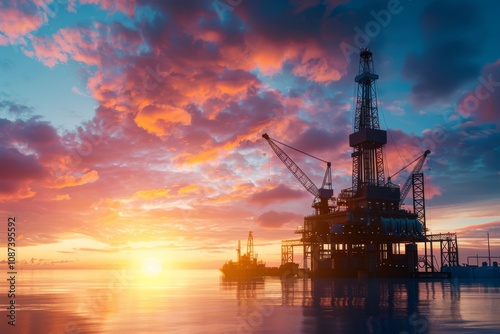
{"x": 368, "y": 140}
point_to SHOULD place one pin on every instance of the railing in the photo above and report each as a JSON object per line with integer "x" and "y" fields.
{"x": 291, "y": 242}
{"x": 477, "y": 257}
{"x": 427, "y": 263}
{"x": 441, "y": 236}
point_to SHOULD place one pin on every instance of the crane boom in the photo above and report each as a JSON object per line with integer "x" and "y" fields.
{"x": 292, "y": 166}
{"x": 321, "y": 195}
{"x": 406, "y": 187}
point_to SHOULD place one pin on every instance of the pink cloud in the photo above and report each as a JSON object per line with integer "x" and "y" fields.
{"x": 18, "y": 166}
{"x": 189, "y": 104}
{"x": 482, "y": 103}
{"x": 279, "y": 194}
{"x": 162, "y": 91}
{"x": 318, "y": 70}
{"x": 70, "y": 180}
{"x": 275, "y": 219}
{"x": 124, "y": 6}
{"x": 94, "y": 45}
{"x": 479, "y": 230}
{"x": 18, "y": 19}
{"x": 33, "y": 155}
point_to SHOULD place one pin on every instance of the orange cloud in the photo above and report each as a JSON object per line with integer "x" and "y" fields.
{"x": 23, "y": 191}
{"x": 151, "y": 193}
{"x": 156, "y": 118}
{"x": 69, "y": 180}
{"x": 64, "y": 197}
{"x": 189, "y": 189}
{"x": 318, "y": 70}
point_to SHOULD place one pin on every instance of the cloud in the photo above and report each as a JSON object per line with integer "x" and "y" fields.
{"x": 65, "y": 197}
{"x": 17, "y": 19}
{"x": 278, "y": 194}
{"x": 479, "y": 231}
{"x": 482, "y": 104}
{"x": 78, "y": 91}
{"x": 189, "y": 189}
{"x": 276, "y": 219}
{"x": 159, "y": 119}
{"x": 33, "y": 154}
{"x": 151, "y": 193}
{"x": 124, "y": 6}
{"x": 73, "y": 181}
{"x": 183, "y": 98}
{"x": 304, "y": 41}
{"x": 316, "y": 139}
{"x": 453, "y": 35}
{"x": 98, "y": 250}
{"x": 15, "y": 109}
{"x": 17, "y": 172}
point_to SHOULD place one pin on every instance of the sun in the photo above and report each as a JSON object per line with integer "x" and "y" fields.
{"x": 151, "y": 267}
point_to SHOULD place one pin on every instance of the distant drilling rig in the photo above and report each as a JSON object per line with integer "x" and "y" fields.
{"x": 365, "y": 232}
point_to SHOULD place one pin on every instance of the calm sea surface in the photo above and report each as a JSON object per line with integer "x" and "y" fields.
{"x": 201, "y": 301}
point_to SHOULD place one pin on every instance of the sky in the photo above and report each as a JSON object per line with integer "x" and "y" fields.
{"x": 131, "y": 129}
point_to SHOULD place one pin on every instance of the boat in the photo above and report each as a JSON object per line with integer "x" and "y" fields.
{"x": 287, "y": 270}
{"x": 247, "y": 264}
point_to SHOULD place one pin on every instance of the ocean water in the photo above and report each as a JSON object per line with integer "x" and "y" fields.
{"x": 201, "y": 301}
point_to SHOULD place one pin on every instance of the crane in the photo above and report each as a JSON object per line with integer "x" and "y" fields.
{"x": 321, "y": 195}
{"x": 407, "y": 185}
{"x": 250, "y": 245}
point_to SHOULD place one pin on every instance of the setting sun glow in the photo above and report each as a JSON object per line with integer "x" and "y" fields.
{"x": 152, "y": 267}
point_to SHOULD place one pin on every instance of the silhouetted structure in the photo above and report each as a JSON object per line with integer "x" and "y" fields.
{"x": 247, "y": 264}
{"x": 365, "y": 231}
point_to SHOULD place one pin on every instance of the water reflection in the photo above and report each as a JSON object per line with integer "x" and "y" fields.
{"x": 365, "y": 306}
{"x": 204, "y": 302}
{"x": 400, "y": 306}
{"x": 245, "y": 288}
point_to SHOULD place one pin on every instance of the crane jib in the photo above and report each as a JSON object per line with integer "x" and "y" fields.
{"x": 299, "y": 174}
{"x": 406, "y": 187}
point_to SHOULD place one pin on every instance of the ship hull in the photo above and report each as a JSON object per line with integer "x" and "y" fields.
{"x": 242, "y": 272}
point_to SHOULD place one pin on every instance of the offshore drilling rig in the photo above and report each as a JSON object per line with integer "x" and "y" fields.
{"x": 365, "y": 231}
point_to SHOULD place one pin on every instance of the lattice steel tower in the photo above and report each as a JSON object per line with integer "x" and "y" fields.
{"x": 367, "y": 140}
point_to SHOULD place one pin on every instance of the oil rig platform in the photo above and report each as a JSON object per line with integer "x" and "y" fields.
{"x": 364, "y": 231}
